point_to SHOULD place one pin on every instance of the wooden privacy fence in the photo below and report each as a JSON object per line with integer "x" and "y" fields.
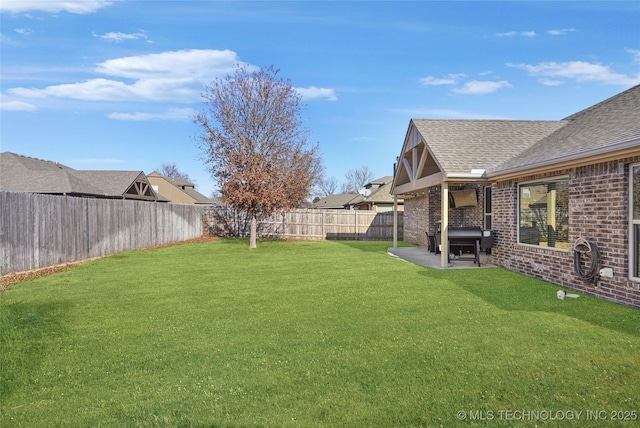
{"x": 306, "y": 224}
{"x": 44, "y": 230}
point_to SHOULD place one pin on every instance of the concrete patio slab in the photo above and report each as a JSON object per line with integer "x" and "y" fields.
{"x": 421, "y": 256}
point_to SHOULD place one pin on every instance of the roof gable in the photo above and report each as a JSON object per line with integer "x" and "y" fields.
{"x": 183, "y": 186}
{"x": 436, "y": 150}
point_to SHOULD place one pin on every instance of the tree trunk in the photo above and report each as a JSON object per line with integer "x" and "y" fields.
{"x": 252, "y": 233}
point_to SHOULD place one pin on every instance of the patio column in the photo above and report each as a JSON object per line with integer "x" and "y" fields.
{"x": 444, "y": 225}
{"x": 395, "y": 221}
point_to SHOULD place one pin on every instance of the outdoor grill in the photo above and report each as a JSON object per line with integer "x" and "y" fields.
{"x": 466, "y": 238}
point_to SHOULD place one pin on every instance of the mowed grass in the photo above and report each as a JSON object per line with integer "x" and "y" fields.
{"x": 308, "y": 334}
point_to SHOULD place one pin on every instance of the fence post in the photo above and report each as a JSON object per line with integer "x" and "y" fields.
{"x": 355, "y": 216}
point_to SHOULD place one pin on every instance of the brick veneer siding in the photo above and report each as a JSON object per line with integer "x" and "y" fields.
{"x": 421, "y": 213}
{"x": 415, "y": 220}
{"x": 598, "y": 212}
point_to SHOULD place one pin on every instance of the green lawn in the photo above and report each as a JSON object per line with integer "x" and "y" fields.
{"x": 309, "y": 334}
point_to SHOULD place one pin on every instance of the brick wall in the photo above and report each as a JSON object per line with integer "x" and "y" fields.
{"x": 421, "y": 213}
{"x": 415, "y": 221}
{"x": 598, "y": 212}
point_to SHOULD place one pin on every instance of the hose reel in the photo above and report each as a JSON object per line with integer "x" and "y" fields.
{"x": 583, "y": 249}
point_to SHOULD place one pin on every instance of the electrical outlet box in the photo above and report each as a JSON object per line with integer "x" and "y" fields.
{"x": 606, "y": 273}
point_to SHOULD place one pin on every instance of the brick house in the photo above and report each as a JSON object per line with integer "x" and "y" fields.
{"x": 547, "y": 190}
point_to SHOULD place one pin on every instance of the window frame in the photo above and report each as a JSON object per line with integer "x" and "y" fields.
{"x": 631, "y": 263}
{"x": 518, "y": 210}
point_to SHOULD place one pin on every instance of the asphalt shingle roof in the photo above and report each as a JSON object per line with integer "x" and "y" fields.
{"x": 458, "y": 146}
{"x": 334, "y": 201}
{"x": 614, "y": 120}
{"x": 20, "y": 173}
{"x": 380, "y": 191}
{"x": 462, "y": 145}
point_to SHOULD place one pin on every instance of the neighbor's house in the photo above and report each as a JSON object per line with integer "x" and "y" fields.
{"x": 20, "y": 173}
{"x": 177, "y": 190}
{"x": 540, "y": 187}
{"x": 334, "y": 202}
{"x": 374, "y": 196}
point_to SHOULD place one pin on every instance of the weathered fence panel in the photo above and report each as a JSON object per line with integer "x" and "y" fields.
{"x": 307, "y": 224}
{"x": 44, "y": 230}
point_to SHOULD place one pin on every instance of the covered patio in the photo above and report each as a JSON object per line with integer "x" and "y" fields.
{"x": 423, "y": 257}
{"x": 441, "y": 174}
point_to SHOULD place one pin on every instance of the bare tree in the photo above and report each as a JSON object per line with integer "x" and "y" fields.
{"x": 356, "y": 178}
{"x": 328, "y": 186}
{"x": 254, "y": 143}
{"x": 171, "y": 170}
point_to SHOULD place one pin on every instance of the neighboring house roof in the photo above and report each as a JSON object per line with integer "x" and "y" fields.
{"x": 26, "y": 174}
{"x": 179, "y": 190}
{"x": 176, "y": 181}
{"x": 334, "y": 201}
{"x": 380, "y": 192}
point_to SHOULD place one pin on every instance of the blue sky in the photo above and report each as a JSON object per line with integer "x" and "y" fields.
{"x": 100, "y": 84}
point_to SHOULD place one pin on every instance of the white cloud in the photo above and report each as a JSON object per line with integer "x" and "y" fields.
{"x": 174, "y": 76}
{"x": 364, "y": 138}
{"x": 171, "y": 114}
{"x": 314, "y": 93}
{"x": 178, "y": 76}
{"x": 635, "y": 53}
{"x": 53, "y": 6}
{"x": 197, "y": 64}
{"x": 507, "y": 34}
{"x": 174, "y": 90}
{"x": 121, "y": 37}
{"x": 561, "y": 32}
{"x": 475, "y": 87}
{"x": 517, "y": 33}
{"x": 17, "y": 106}
{"x": 580, "y": 71}
{"x": 449, "y": 79}
{"x": 24, "y": 31}
{"x": 551, "y": 82}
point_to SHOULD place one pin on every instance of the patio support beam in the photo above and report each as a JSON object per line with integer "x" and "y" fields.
{"x": 444, "y": 226}
{"x": 395, "y": 221}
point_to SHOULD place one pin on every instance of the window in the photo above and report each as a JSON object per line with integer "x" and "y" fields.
{"x": 634, "y": 220}
{"x": 543, "y": 213}
{"x": 487, "y": 208}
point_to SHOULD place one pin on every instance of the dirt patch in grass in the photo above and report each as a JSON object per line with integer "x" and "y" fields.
{"x": 11, "y": 278}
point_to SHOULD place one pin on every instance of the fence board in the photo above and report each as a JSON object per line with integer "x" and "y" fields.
{"x": 44, "y": 230}
{"x": 307, "y": 224}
